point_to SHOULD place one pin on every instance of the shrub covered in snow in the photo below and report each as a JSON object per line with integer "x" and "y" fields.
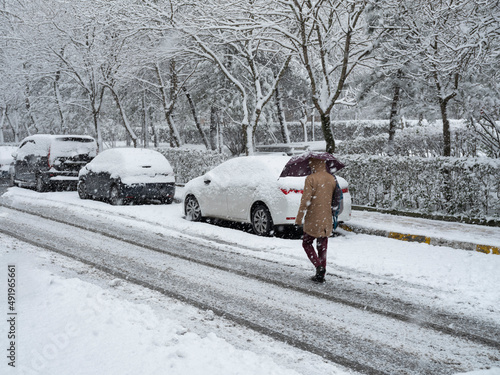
{"x": 190, "y": 163}
{"x": 415, "y": 140}
{"x": 468, "y": 187}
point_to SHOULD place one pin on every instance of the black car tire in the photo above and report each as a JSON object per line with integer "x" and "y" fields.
{"x": 40, "y": 184}
{"x": 192, "y": 209}
{"x": 115, "y": 196}
{"x": 262, "y": 222}
{"x": 82, "y": 190}
{"x": 168, "y": 200}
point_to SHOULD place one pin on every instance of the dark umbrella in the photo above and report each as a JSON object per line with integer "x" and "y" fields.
{"x": 298, "y": 165}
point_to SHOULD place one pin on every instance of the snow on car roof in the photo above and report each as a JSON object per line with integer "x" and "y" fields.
{"x": 39, "y": 144}
{"x": 273, "y": 162}
{"x": 130, "y": 161}
{"x": 259, "y": 170}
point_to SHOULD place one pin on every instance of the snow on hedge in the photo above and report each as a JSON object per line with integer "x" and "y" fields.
{"x": 190, "y": 163}
{"x": 468, "y": 187}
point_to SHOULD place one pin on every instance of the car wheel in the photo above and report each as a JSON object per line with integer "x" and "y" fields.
{"x": 192, "y": 209}
{"x": 168, "y": 200}
{"x": 82, "y": 190}
{"x": 262, "y": 222}
{"x": 40, "y": 186}
{"x": 115, "y": 196}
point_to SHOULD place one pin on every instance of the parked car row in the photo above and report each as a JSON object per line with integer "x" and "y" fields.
{"x": 245, "y": 189}
{"x": 52, "y": 162}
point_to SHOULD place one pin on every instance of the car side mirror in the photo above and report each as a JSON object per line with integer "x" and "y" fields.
{"x": 208, "y": 178}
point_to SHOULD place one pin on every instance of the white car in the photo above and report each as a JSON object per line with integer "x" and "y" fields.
{"x": 248, "y": 189}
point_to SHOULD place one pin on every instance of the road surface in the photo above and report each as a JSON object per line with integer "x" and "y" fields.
{"x": 361, "y": 322}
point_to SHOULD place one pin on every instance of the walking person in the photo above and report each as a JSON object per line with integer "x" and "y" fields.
{"x": 315, "y": 214}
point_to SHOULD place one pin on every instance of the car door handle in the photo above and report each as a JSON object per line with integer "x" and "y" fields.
{"x": 207, "y": 182}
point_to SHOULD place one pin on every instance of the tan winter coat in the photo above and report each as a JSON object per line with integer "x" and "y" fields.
{"x": 316, "y": 202}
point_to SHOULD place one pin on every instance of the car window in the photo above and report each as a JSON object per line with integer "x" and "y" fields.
{"x": 38, "y": 146}
{"x": 73, "y": 146}
{"x": 31, "y": 147}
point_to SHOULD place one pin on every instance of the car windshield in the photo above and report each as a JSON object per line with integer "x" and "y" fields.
{"x": 73, "y": 146}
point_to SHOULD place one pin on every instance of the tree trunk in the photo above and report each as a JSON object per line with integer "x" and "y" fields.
{"x": 27, "y": 104}
{"x": 2, "y": 124}
{"x": 15, "y": 128}
{"x": 95, "y": 116}
{"x": 94, "y": 98}
{"x": 443, "y": 105}
{"x": 156, "y": 141}
{"x": 214, "y": 128}
{"x": 195, "y": 117}
{"x": 327, "y": 132}
{"x": 145, "y": 127}
{"x": 393, "y": 117}
{"x": 57, "y": 95}
{"x": 126, "y": 122}
{"x": 168, "y": 106}
{"x": 281, "y": 117}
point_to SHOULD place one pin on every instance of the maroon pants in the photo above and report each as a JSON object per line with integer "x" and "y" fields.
{"x": 318, "y": 259}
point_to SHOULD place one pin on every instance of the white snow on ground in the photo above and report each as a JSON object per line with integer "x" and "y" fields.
{"x": 70, "y": 326}
{"x": 72, "y": 323}
{"x": 453, "y": 231}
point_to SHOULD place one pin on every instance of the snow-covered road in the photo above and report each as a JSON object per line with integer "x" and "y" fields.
{"x": 372, "y": 321}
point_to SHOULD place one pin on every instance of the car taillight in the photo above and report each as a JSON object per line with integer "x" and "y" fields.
{"x": 288, "y": 191}
{"x": 345, "y": 190}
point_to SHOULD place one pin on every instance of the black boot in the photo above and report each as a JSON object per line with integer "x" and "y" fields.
{"x": 320, "y": 275}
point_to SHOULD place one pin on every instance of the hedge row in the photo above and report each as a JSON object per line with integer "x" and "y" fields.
{"x": 462, "y": 187}
{"x": 190, "y": 163}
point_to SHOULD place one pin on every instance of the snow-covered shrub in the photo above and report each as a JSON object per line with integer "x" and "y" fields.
{"x": 190, "y": 163}
{"x": 415, "y": 140}
{"x": 468, "y": 187}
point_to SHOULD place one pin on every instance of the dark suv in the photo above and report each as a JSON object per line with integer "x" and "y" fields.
{"x": 47, "y": 162}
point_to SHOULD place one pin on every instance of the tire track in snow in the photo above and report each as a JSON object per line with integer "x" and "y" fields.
{"x": 343, "y": 292}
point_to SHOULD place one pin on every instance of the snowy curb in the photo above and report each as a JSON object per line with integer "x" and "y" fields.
{"x": 462, "y": 245}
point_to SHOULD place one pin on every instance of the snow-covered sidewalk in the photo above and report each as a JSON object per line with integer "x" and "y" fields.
{"x": 454, "y": 234}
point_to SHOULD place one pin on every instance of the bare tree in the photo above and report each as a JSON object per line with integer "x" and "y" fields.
{"x": 487, "y": 131}
{"x": 449, "y": 41}
{"x": 244, "y": 49}
{"x": 329, "y": 38}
